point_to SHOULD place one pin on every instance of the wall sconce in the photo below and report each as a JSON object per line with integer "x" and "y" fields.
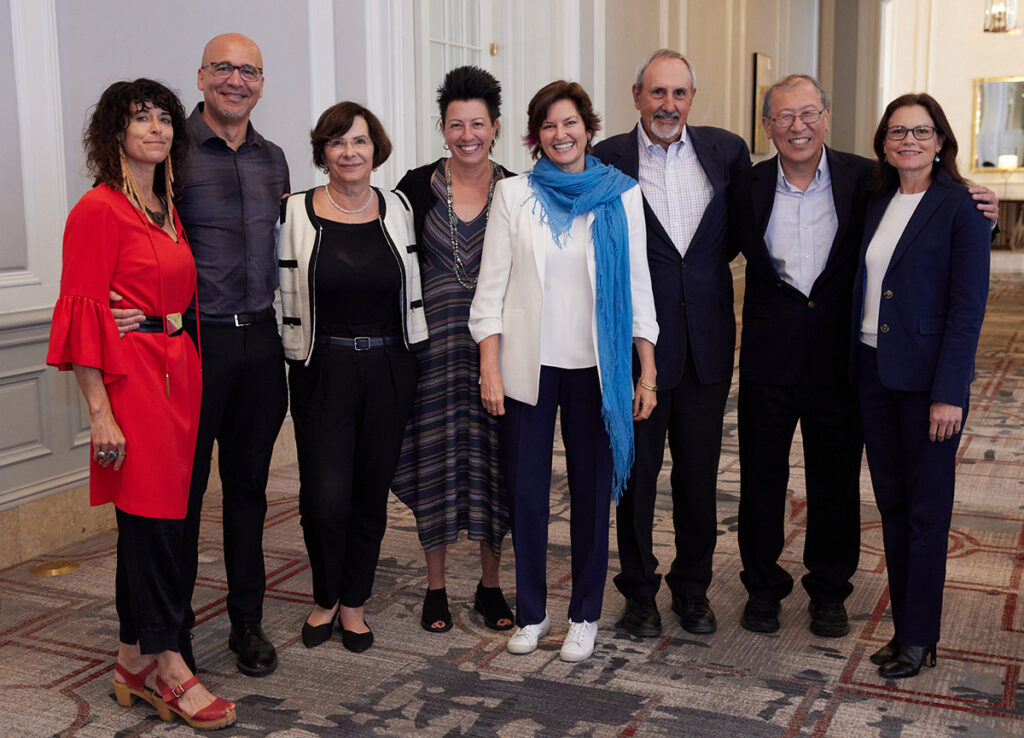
{"x": 1001, "y": 17}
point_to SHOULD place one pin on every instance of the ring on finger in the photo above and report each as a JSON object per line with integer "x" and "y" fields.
{"x": 111, "y": 455}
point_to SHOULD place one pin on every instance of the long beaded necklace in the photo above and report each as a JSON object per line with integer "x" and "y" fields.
{"x": 460, "y": 269}
{"x": 366, "y": 204}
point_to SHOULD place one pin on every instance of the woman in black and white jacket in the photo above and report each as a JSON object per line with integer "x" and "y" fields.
{"x": 353, "y": 316}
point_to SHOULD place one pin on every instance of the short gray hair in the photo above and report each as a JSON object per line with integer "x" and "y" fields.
{"x": 788, "y": 81}
{"x": 664, "y": 54}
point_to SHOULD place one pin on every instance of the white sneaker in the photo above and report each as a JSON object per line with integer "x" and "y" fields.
{"x": 524, "y": 640}
{"x": 579, "y": 641}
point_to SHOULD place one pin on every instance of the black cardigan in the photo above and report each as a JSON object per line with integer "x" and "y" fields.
{"x": 415, "y": 185}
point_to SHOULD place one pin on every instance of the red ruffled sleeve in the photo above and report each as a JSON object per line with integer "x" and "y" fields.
{"x": 83, "y": 331}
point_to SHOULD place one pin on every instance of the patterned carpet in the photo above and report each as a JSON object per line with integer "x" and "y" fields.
{"x": 57, "y": 635}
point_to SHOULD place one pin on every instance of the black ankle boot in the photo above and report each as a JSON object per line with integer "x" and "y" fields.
{"x": 908, "y": 662}
{"x": 886, "y": 652}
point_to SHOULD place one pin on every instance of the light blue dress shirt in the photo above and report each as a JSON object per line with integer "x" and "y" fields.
{"x": 802, "y": 228}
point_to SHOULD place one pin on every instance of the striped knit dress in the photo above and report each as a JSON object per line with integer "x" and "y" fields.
{"x": 448, "y": 473}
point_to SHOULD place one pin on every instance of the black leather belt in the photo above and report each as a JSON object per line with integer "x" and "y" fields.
{"x": 239, "y": 320}
{"x": 155, "y": 324}
{"x": 362, "y": 343}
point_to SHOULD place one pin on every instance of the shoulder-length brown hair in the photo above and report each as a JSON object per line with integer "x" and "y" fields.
{"x": 104, "y": 135}
{"x": 548, "y": 95}
{"x": 336, "y": 120}
{"x": 886, "y": 178}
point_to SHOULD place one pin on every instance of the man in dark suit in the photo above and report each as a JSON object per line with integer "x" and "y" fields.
{"x": 801, "y": 230}
{"x": 683, "y": 173}
{"x": 803, "y": 219}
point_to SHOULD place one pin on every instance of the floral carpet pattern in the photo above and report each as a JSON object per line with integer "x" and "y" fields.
{"x": 58, "y": 635}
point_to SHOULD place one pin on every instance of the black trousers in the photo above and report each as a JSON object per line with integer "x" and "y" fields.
{"x": 691, "y": 415}
{"x": 147, "y": 586}
{"x": 528, "y": 434}
{"x": 349, "y": 409}
{"x": 245, "y": 399}
{"x": 830, "y": 428}
{"x": 913, "y": 479}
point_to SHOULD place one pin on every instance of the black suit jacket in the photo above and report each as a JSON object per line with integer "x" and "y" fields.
{"x": 692, "y": 294}
{"x": 790, "y": 338}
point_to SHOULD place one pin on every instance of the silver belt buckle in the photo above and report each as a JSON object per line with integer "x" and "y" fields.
{"x": 362, "y": 343}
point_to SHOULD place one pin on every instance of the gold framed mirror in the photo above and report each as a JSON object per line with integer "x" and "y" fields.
{"x": 997, "y": 140}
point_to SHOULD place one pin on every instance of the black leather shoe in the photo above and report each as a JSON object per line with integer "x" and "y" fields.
{"x": 315, "y": 635}
{"x": 185, "y": 649}
{"x": 761, "y": 615}
{"x": 828, "y": 620}
{"x": 256, "y": 654}
{"x": 908, "y": 662}
{"x": 356, "y": 642}
{"x": 641, "y": 617}
{"x": 695, "y": 613}
{"x": 885, "y": 653}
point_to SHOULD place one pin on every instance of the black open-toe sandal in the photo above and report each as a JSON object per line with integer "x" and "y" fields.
{"x": 490, "y": 603}
{"x": 436, "y": 618}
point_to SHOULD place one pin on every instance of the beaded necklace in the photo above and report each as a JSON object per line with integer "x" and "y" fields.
{"x": 460, "y": 269}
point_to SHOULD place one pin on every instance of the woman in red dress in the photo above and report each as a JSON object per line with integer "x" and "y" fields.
{"x": 143, "y": 390}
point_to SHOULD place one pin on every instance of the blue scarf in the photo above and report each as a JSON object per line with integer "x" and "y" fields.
{"x": 563, "y": 196}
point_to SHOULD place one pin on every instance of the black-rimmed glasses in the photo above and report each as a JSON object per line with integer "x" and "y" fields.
{"x": 808, "y": 117}
{"x": 224, "y": 69}
{"x": 921, "y": 133}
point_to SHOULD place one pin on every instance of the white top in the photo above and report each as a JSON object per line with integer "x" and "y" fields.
{"x": 566, "y": 337}
{"x": 515, "y": 277}
{"x": 879, "y": 254}
{"x": 675, "y": 185}
{"x": 802, "y": 227}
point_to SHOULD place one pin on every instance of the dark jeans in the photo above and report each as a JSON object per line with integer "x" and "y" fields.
{"x": 245, "y": 399}
{"x": 913, "y": 479}
{"x": 349, "y": 409}
{"x": 528, "y": 438}
{"x": 830, "y": 428}
{"x": 691, "y": 415}
{"x": 147, "y": 586}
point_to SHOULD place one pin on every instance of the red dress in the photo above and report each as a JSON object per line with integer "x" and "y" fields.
{"x": 109, "y": 244}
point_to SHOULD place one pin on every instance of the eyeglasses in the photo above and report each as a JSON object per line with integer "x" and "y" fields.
{"x": 224, "y": 69}
{"x": 807, "y": 118}
{"x": 921, "y": 133}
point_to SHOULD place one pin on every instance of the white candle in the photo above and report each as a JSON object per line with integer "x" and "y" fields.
{"x": 1007, "y": 161}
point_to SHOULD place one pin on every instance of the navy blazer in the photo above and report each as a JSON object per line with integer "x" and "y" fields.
{"x": 692, "y": 294}
{"x": 790, "y": 338}
{"x": 933, "y": 293}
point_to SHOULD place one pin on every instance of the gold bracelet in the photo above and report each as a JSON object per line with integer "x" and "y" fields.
{"x": 647, "y": 385}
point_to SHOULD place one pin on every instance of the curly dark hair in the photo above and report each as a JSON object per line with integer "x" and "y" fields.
{"x": 336, "y": 120}
{"x": 548, "y": 95}
{"x": 886, "y": 178}
{"x": 470, "y": 83}
{"x": 105, "y": 133}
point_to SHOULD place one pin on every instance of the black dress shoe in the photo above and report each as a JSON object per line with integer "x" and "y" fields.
{"x": 908, "y": 662}
{"x": 885, "y": 653}
{"x": 641, "y": 617}
{"x": 256, "y": 654}
{"x": 695, "y": 613}
{"x": 356, "y": 642}
{"x": 185, "y": 649}
{"x": 828, "y": 620}
{"x": 761, "y": 615}
{"x": 315, "y": 635}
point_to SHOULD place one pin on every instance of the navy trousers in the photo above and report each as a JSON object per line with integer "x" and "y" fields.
{"x": 528, "y": 437}
{"x": 913, "y": 480}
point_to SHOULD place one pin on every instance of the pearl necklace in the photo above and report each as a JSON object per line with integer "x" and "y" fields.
{"x": 366, "y": 204}
{"x": 460, "y": 269}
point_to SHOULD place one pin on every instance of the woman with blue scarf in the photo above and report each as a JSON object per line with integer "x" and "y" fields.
{"x": 563, "y": 296}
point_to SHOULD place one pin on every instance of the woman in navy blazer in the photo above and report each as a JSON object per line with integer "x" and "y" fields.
{"x": 919, "y": 301}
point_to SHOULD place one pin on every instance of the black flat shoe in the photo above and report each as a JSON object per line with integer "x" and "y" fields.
{"x": 356, "y": 642}
{"x": 315, "y": 635}
{"x": 828, "y": 619}
{"x": 761, "y": 615}
{"x": 886, "y": 652}
{"x": 257, "y": 656}
{"x": 436, "y": 618}
{"x": 641, "y": 617}
{"x": 908, "y": 662}
{"x": 491, "y": 604}
{"x": 695, "y": 614}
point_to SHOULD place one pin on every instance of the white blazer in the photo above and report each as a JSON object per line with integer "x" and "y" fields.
{"x": 509, "y": 295}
